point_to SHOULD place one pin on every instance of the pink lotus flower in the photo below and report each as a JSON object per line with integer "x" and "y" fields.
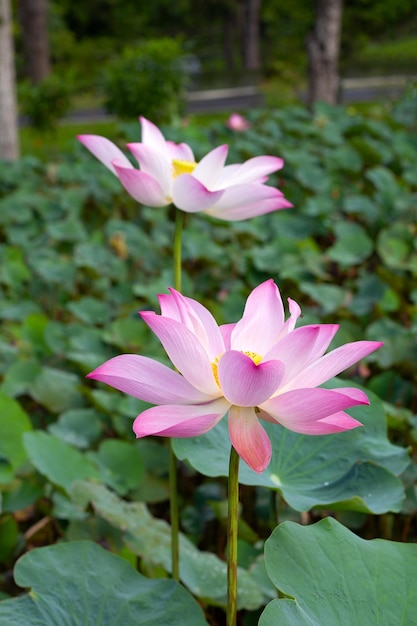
{"x": 261, "y": 368}
{"x": 169, "y": 174}
{"x": 238, "y": 123}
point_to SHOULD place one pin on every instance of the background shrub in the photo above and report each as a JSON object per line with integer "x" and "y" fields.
{"x": 45, "y": 103}
{"x": 148, "y": 78}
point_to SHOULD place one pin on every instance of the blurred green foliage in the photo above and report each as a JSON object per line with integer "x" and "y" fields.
{"x": 79, "y": 258}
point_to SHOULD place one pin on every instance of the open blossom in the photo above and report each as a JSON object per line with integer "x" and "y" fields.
{"x": 261, "y": 368}
{"x": 169, "y": 174}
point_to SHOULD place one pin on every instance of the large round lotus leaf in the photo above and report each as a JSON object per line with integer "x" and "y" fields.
{"x": 57, "y": 390}
{"x": 352, "y": 246}
{"x": 354, "y": 470}
{"x": 90, "y": 310}
{"x": 14, "y": 422}
{"x": 81, "y": 584}
{"x": 388, "y": 191}
{"x": 395, "y": 245}
{"x": 18, "y": 377}
{"x": 337, "y": 578}
{"x": 79, "y": 427}
{"x": 120, "y": 463}
{"x": 285, "y": 613}
{"x": 203, "y": 573}
{"x": 13, "y": 268}
{"x": 58, "y": 461}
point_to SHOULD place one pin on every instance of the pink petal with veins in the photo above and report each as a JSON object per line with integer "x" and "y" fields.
{"x": 154, "y": 164}
{"x": 238, "y": 196}
{"x": 301, "y": 347}
{"x": 105, "y": 151}
{"x": 185, "y": 351}
{"x": 299, "y": 410}
{"x": 289, "y": 325}
{"x": 250, "y": 210}
{"x": 210, "y": 167}
{"x": 199, "y": 320}
{"x": 191, "y": 196}
{"x": 142, "y": 187}
{"x": 262, "y": 320}
{"x": 332, "y": 364}
{"x": 147, "y": 380}
{"x": 180, "y": 152}
{"x": 180, "y": 420}
{"x": 246, "y": 384}
{"x": 248, "y": 438}
{"x": 226, "y": 331}
{"x": 244, "y": 201}
{"x": 336, "y": 423}
{"x": 256, "y": 168}
{"x": 152, "y": 136}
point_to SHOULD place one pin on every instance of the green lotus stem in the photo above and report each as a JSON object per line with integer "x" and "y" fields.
{"x": 173, "y": 483}
{"x": 179, "y": 221}
{"x": 232, "y": 525}
{"x": 173, "y": 490}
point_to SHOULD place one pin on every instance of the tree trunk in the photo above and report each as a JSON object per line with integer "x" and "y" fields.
{"x": 33, "y": 16}
{"x": 252, "y": 55}
{"x": 9, "y": 145}
{"x": 323, "y": 45}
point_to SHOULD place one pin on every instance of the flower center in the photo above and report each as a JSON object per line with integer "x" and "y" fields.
{"x": 215, "y": 368}
{"x": 182, "y": 167}
{"x": 256, "y": 358}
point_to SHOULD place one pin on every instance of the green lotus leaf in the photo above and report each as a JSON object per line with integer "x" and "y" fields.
{"x": 353, "y": 245}
{"x": 58, "y": 390}
{"x": 355, "y": 470}
{"x": 336, "y": 578}
{"x": 14, "y": 422}
{"x": 81, "y": 583}
{"x": 203, "y": 573}
{"x": 59, "y": 462}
